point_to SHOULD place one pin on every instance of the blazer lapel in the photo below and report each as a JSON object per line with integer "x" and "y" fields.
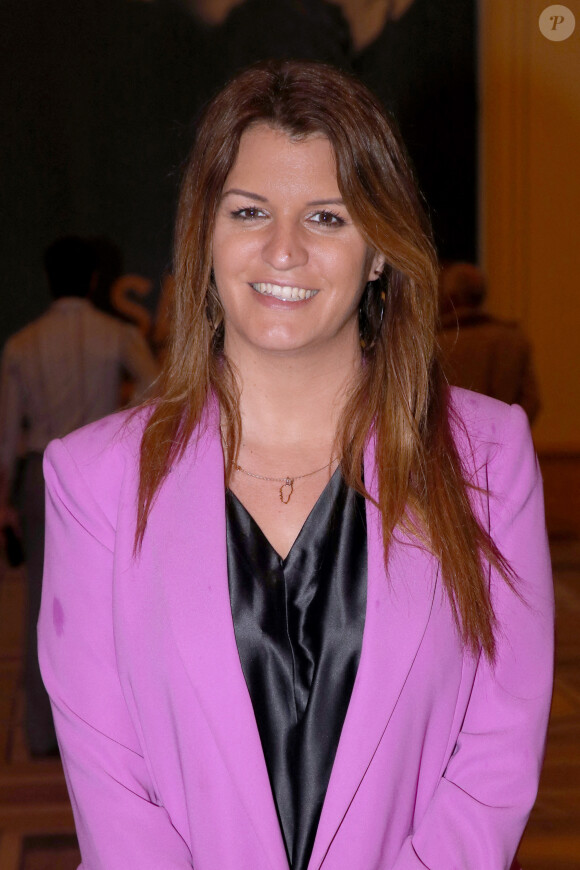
{"x": 398, "y": 609}
{"x": 199, "y": 605}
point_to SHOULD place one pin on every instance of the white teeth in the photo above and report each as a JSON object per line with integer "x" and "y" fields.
{"x": 283, "y": 292}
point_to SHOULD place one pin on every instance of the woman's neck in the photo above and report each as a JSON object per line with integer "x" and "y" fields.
{"x": 291, "y": 404}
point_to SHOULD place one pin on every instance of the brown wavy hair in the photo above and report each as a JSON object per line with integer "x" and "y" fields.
{"x": 399, "y": 394}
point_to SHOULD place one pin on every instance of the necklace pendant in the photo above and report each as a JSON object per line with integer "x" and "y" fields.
{"x": 286, "y": 496}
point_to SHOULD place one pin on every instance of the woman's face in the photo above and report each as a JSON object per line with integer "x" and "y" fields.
{"x": 289, "y": 264}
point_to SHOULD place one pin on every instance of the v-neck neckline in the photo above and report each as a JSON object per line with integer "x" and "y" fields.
{"x": 330, "y": 490}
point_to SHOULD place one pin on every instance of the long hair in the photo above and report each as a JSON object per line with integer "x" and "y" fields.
{"x": 399, "y": 397}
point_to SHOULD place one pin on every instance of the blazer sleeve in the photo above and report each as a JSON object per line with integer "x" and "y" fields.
{"x": 119, "y": 819}
{"x": 479, "y": 809}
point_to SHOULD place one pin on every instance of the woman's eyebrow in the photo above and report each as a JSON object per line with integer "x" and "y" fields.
{"x": 251, "y": 195}
{"x": 247, "y": 193}
{"x": 326, "y": 202}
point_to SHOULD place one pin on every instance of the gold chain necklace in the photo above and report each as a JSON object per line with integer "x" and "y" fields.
{"x": 285, "y": 481}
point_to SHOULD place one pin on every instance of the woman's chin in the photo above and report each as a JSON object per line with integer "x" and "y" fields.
{"x": 294, "y": 344}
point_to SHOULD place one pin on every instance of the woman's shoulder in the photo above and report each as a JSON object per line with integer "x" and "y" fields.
{"x": 482, "y": 423}
{"x": 495, "y": 445}
{"x": 92, "y": 469}
{"x": 110, "y": 440}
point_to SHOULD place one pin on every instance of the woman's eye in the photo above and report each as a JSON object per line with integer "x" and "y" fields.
{"x": 248, "y": 213}
{"x": 327, "y": 219}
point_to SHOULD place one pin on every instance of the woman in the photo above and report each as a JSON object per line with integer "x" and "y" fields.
{"x": 299, "y": 611}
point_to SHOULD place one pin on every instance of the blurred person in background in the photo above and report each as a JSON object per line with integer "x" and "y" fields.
{"x": 478, "y": 351}
{"x": 63, "y": 370}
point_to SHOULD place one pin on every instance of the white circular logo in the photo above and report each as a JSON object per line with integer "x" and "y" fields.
{"x": 557, "y": 23}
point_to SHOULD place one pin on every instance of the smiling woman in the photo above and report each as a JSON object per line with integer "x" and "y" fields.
{"x": 304, "y": 597}
{"x": 290, "y": 265}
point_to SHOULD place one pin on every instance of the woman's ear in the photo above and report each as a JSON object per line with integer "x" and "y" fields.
{"x": 377, "y": 266}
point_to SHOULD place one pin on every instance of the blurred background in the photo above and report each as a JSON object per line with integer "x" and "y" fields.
{"x": 101, "y": 99}
{"x": 99, "y": 106}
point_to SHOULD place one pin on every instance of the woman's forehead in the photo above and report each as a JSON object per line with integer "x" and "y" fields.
{"x": 267, "y": 152}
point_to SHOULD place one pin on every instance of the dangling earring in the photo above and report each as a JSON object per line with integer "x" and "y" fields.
{"x": 371, "y": 313}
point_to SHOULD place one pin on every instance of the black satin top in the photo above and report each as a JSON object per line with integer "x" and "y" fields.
{"x": 299, "y": 623}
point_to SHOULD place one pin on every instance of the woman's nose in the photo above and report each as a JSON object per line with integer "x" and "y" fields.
{"x": 285, "y": 247}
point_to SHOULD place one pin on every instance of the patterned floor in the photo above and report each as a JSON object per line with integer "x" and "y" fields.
{"x": 36, "y": 826}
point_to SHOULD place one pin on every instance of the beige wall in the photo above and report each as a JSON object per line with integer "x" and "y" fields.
{"x": 530, "y": 202}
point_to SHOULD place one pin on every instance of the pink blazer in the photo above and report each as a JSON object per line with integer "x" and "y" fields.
{"x": 440, "y": 753}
